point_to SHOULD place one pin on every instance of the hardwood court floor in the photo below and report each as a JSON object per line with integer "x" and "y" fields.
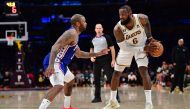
{"x": 131, "y": 98}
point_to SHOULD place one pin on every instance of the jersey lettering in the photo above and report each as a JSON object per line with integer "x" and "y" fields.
{"x": 132, "y": 35}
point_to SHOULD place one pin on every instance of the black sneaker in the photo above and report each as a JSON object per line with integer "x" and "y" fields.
{"x": 118, "y": 99}
{"x": 96, "y": 100}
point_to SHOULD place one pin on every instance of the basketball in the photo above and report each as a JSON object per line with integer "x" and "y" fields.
{"x": 156, "y": 49}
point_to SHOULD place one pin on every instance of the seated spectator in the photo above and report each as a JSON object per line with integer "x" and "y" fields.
{"x": 6, "y": 80}
{"x": 132, "y": 79}
{"x": 163, "y": 74}
{"x": 91, "y": 78}
{"x": 31, "y": 79}
{"x": 1, "y": 80}
{"x": 41, "y": 79}
{"x": 171, "y": 72}
{"x": 123, "y": 78}
{"x": 187, "y": 77}
{"x": 79, "y": 78}
{"x": 152, "y": 75}
{"x": 86, "y": 78}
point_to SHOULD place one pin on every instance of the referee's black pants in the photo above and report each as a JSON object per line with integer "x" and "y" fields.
{"x": 178, "y": 77}
{"x": 105, "y": 64}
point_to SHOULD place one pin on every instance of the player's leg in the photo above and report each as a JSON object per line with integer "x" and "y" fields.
{"x": 113, "y": 103}
{"x": 67, "y": 93}
{"x": 50, "y": 96}
{"x": 147, "y": 86}
{"x": 142, "y": 62}
{"x": 109, "y": 73}
{"x": 57, "y": 81}
{"x": 145, "y": 77}
{"x": 123, "y": 60}
{"x": 69, "y": 79}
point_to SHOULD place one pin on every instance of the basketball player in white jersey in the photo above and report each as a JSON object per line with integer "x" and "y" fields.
{"x": 57, "y": 60}
{"x": 131, "y": 33}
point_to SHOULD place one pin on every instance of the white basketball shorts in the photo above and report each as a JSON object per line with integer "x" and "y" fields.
{"x": 124, "y": 58}
{"x": 62, "y": 74}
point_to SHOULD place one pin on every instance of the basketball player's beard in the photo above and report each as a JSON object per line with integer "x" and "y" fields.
{"x": 125, "y": 22}
{"x": 82, "y": 29}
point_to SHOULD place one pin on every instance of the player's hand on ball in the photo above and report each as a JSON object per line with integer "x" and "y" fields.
{"x": 49, "y": 71}
{"x": 149, "y": 46}
{"x": 154, "y": 48}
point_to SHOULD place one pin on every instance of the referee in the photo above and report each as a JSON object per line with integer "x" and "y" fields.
{"x": 106, "y": 62}
{"x": 180, "y": 59}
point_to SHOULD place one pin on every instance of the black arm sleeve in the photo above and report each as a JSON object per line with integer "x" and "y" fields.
{"x": 109, "y": 41}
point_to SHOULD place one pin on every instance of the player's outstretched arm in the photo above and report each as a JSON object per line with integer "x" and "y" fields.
{"x": 83, "y": 54}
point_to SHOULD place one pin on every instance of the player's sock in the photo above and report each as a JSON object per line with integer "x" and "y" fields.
{"x": 67, "y": 101}
{"x": 113, "y": 95}
{"x": 45, "y": 103}
{"x": 148, "y": 96}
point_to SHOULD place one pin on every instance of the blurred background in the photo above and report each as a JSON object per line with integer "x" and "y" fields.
{"x": 48, "y": 19}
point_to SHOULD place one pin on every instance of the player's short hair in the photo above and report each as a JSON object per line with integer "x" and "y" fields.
{"x": 99, "y": 24}
{"x": 181, "y": 39}
{"x": 76, "y": 18}
{"x": 127, "y": 7}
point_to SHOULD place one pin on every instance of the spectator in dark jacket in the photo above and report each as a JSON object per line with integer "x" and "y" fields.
{"x": 180, "y": 57}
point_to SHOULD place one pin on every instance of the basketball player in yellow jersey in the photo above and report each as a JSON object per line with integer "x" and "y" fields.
{"x": 131, "y": 33}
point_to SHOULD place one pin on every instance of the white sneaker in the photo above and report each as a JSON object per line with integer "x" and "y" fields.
{"x": 112, "y": 105}
{"x": 149, "y": 106}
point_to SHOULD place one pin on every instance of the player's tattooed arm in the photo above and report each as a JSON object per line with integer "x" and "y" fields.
{"x": 65, "y": 39}
{"x": 146, "y": 24}
{"x": 118, "y": 34}
{"x": 83, "y": 54}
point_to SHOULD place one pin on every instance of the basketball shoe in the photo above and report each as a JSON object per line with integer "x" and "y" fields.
{"x": 69, "y": 108}
{"x": 149, "y": 106}
{"x": 112, "y": 105}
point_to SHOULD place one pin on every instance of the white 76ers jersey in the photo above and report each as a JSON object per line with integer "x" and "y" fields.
{"x": 136, "y": 36}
